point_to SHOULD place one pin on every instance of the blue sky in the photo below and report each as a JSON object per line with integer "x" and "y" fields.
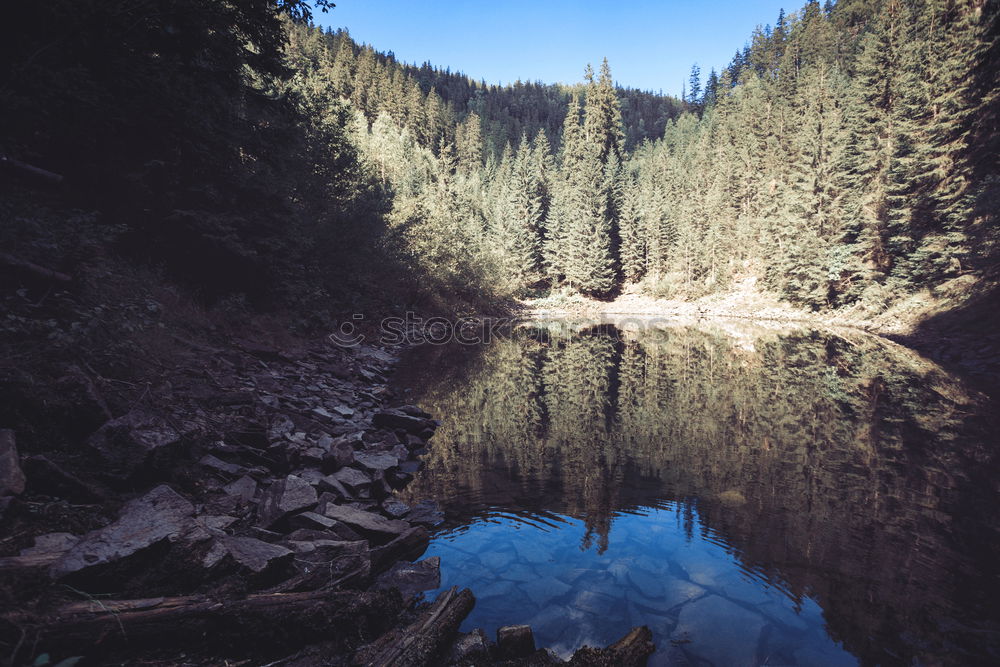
{"x": 650, "y": 44}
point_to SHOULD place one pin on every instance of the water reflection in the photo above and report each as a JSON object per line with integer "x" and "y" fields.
{"x": 814, "y": 498}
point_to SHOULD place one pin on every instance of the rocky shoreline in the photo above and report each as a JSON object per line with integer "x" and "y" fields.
{"x": 241, "y": 510}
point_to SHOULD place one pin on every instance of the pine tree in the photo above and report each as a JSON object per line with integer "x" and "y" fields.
{"x": 694, "y": 87}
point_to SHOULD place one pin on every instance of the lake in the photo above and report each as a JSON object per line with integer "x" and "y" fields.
{"x": 756, "y": 495}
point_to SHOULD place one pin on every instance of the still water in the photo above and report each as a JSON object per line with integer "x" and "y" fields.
{"x": 754, "y": 495}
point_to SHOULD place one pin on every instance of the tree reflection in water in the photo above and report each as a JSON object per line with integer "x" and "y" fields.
{"x": 840, "y": 469}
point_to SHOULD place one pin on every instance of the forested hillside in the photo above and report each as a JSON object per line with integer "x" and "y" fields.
{"x": 844, "y": 156}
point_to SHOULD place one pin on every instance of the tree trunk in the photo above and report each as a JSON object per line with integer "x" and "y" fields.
{"x": 419, "y": 643}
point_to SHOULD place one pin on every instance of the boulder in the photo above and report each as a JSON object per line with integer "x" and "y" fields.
{"x": 244, "y": 489}
{"x": 365, "y": 523}
{"x": 376, "y": 463}
{"x": 396, "y": 509}
{"x": 515, "y": 641}
{"x": 136, "y": 442}
{"x": 162, "y": 517}
{"x": 284, "y": 497}
{"x": 12, "y": 480}
{"x": 414, "y": 411}
{"x": 249, "y": 555}
{"x": 356, "y": 482}
{"x": 426, "y": 513}
{"x": 470, "y": 648}
{"x": 396, "y": 419}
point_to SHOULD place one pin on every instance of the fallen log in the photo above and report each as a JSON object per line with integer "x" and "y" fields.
{"x": 32, "y": 269}
{"x": 421, "y": 642}
{"x": 632, "y": 650}
{"x": 257, "y": 623}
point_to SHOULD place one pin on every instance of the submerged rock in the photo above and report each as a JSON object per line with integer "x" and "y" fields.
{"x": 412, "y": 578}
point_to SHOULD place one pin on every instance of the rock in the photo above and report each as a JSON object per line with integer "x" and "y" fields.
{"x": 245, "y": 488}
{"x": 356, "y": 482}
{"x": 220, "y": 466}
{"x": 343, "y": 410}
{"x": 313, "y": 456}
{"x": 250, "y": 555}
{"x": 470, "y": 648}
{"x": 314, "y": 477}
{"x": 217, "y": 521}
{"x": 337, "y": 532}
{"x": 161, "y": 517}
{"x": 280, "y": 426}
{"x": 395, "y": 419}
{"x": 331, "y": 484}
{"x": 426, "y": 513}
{"x": 51, "y": 543}
{"x": 412, "y": 578}
{"x": 414, "y": 442}
{"x": 414, "y": 411}
{"x": 47, "y": 478}
{"x": 377, "y": 463}
{"x": 311, "y": 521}
{"x": 12, "y": 480}
{"x": 645, "y": 583}
{"x": 515, "y": 641}
{"x": 284, "y": 497}
{"x": 365, "y": 523}
{"x": 542, "y": 590}
{"x": 719, "y": 631}
{"x": 338, "y": 455}
{"x": 136, "y": 442}
{"x": 396, "y": 509}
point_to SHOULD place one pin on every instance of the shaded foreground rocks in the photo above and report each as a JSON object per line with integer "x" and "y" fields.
{"x": 245, "y": 510}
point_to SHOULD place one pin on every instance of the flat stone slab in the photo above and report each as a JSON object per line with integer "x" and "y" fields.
{"x": 160, "y": 515}
{"x": 285, "y": 497}
{"x": 366, "y": 523}
{"x": 376, "y": 462}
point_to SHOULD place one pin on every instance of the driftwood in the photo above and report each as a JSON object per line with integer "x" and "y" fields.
{"x": 26, "y": 169}
{"x": 32, "y": 269}
{"x": 31, "y": 562}
{"x": 419, "y": 643}
{"x": 632, "y": 650}
{"x": 256, "y": 622}
{"x": 408, "y": 546}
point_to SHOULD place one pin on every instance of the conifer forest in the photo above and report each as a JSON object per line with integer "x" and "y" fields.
{"x": 311, "y": 355}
